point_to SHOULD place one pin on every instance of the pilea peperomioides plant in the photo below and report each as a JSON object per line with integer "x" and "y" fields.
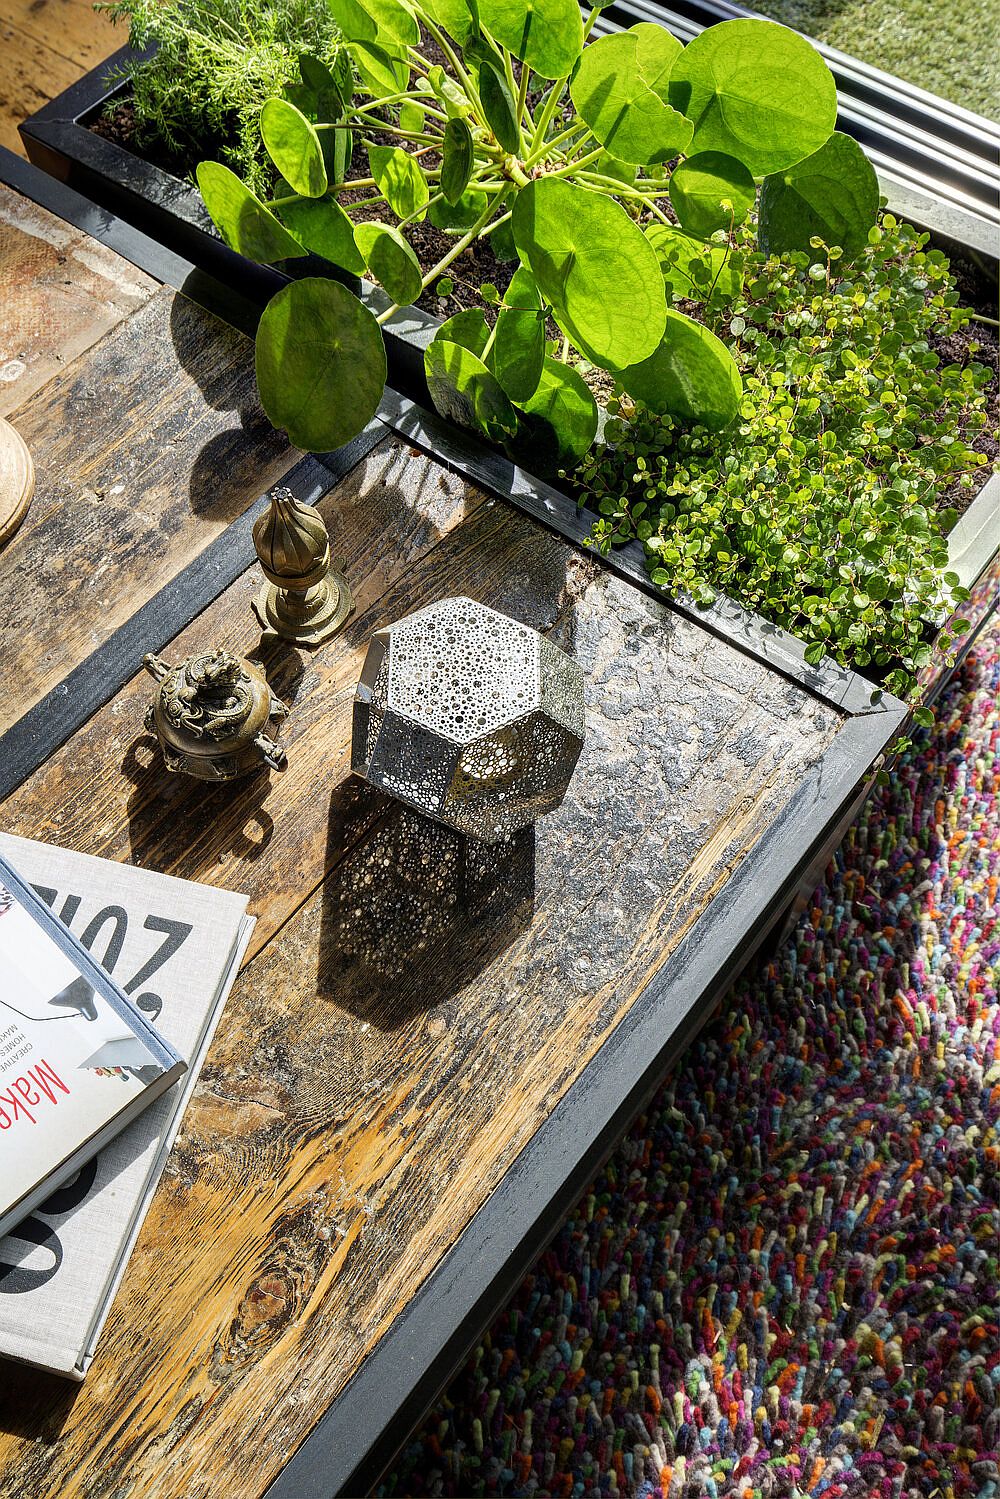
{"x": 616, "y": 172}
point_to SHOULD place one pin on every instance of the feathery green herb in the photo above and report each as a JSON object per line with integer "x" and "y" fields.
{"x": 215, "y": 65}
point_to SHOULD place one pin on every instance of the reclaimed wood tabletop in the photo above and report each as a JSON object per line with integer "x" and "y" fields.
{"x": 431, "y": 1041}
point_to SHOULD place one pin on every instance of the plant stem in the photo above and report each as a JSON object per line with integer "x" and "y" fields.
{"x": 545, "y": 118}
{"x": 280, "y": 202}
{"x": 417, "y": 211}
{"x": 979, "y": 317}
{"x": 574, "y": 166}
{"x": 400, "y": 98}
{"x": 553, "y": 144}
{"x": 522, "y": 96}
{"x": 589, "y": 23}
{"x": 489, "y": 342}
{"x": 408, "y": 135}
{"x": 503, "y": 219}
{"x": 460, "y": 73}
{"x": 653, "y": 208}
{"x": 465, "y": 241}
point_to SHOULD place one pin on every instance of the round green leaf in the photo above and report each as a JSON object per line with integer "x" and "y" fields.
{"x": 657, "y": 53}
{"x": 460, "y": 215}
{"x": 546, "y": 34}
{"x": 400, "y": 180}
{"x": 700, "y": 185}
{"x": 293, "y": 146}
{"x": 382, "y": 70}
{"x": 412, "y": 116}
{"x": 468, "y": 328}
{"x": 502, "y": 241}
{"x": 612, "y": 96}
{"x": 755, "y": 91}
{"x": 326, "y": 93}
{"x": 833, "y": 195}
{"x": 453, "y": 16}
{"x": 338, "y": 147}
{"x": 465, "y": 392}
{"x": 557, "y": 424}
{"x": 692, "y": 269}
{"x": 396, "y": 22}
{"x": 691, "y": 375}
{"x": 320, "y": 363}
{"x": 607, "y": 165}
{"x": 595, "y": 269}
{"x": 322, "y": 226}
{"x": 458, "y": 159}
{"x": 241, "y": 218}
{"x": 519, "y": 347}
{"x": 499, "y": 107}
{"x": 390, "y": 260}
{"x": 354, "y": 21}
{"x": 384, "y": 21}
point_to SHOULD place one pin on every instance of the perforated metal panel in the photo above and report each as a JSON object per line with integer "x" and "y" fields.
{"x": 469, "y": 716}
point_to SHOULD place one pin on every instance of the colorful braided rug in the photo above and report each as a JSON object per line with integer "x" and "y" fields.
{"x": 785, "y": 1281}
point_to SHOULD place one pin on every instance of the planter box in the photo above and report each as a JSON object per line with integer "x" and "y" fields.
{"x": 171, "y": 212}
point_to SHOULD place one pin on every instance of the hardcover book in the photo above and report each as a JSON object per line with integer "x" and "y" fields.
{"x": 175, "y": 948}
{"x": 78, "y": 1061}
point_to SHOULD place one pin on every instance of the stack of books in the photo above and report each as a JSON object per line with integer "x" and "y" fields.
{"x": 112, "y": 982}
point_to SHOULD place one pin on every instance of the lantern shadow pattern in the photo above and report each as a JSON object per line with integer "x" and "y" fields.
{"x": 468, "y": 716}
{"x": 416, "y": 912}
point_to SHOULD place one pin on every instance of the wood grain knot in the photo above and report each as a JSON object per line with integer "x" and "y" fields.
{"x": 268, "y": 1305}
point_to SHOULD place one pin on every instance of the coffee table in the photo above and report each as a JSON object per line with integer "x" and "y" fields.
{"x": 431, "y": 1046}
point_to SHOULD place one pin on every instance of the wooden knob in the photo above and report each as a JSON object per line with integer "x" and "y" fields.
{"x": 17, "y": 480}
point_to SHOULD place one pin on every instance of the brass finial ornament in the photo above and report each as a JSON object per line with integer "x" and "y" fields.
{"x": 17, "y": 480}
{"x": 211, "y": 716}
{"x": 304, "y": 600}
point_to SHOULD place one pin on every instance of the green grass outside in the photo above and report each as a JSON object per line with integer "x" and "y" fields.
{"x": 951, "y": 47}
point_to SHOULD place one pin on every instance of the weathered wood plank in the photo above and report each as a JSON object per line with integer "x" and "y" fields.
{"x": 73, "y": 29}
{"x": 31, "y": 73}
{"x": 392, "y": 1048}
{"x": 145, "y": 448}
{"x": 60, "y": 291}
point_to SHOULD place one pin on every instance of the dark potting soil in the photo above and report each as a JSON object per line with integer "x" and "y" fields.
{"x": 120, "y": 125}
{"x": 478, "y": 266}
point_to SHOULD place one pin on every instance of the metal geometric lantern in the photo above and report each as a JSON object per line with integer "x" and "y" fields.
{"x": 468, "y": 716}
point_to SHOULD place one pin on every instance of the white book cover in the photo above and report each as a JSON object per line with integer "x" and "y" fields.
{"x": 174, "y": 948}
{"x": 77, "y": 1059}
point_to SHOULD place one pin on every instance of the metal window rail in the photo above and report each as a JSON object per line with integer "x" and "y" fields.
{"x": 937, "y": 162}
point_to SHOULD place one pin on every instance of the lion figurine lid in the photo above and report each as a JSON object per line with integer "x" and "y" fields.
{"x": 211, "y": 716}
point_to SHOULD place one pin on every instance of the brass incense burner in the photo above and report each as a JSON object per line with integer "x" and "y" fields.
{"x": 211, "y": 716}
{"x": 304, "y": 600}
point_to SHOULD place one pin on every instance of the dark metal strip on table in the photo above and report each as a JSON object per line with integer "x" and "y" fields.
{"x": 88, "y": 687}
{"x": 747, "y": 632}
{"x": 370, "y": 1420}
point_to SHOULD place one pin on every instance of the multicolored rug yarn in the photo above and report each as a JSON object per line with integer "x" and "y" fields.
{"x": 785, "y": 1283}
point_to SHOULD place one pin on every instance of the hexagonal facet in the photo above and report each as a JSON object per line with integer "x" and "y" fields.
{"x": 469, "y": 716}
